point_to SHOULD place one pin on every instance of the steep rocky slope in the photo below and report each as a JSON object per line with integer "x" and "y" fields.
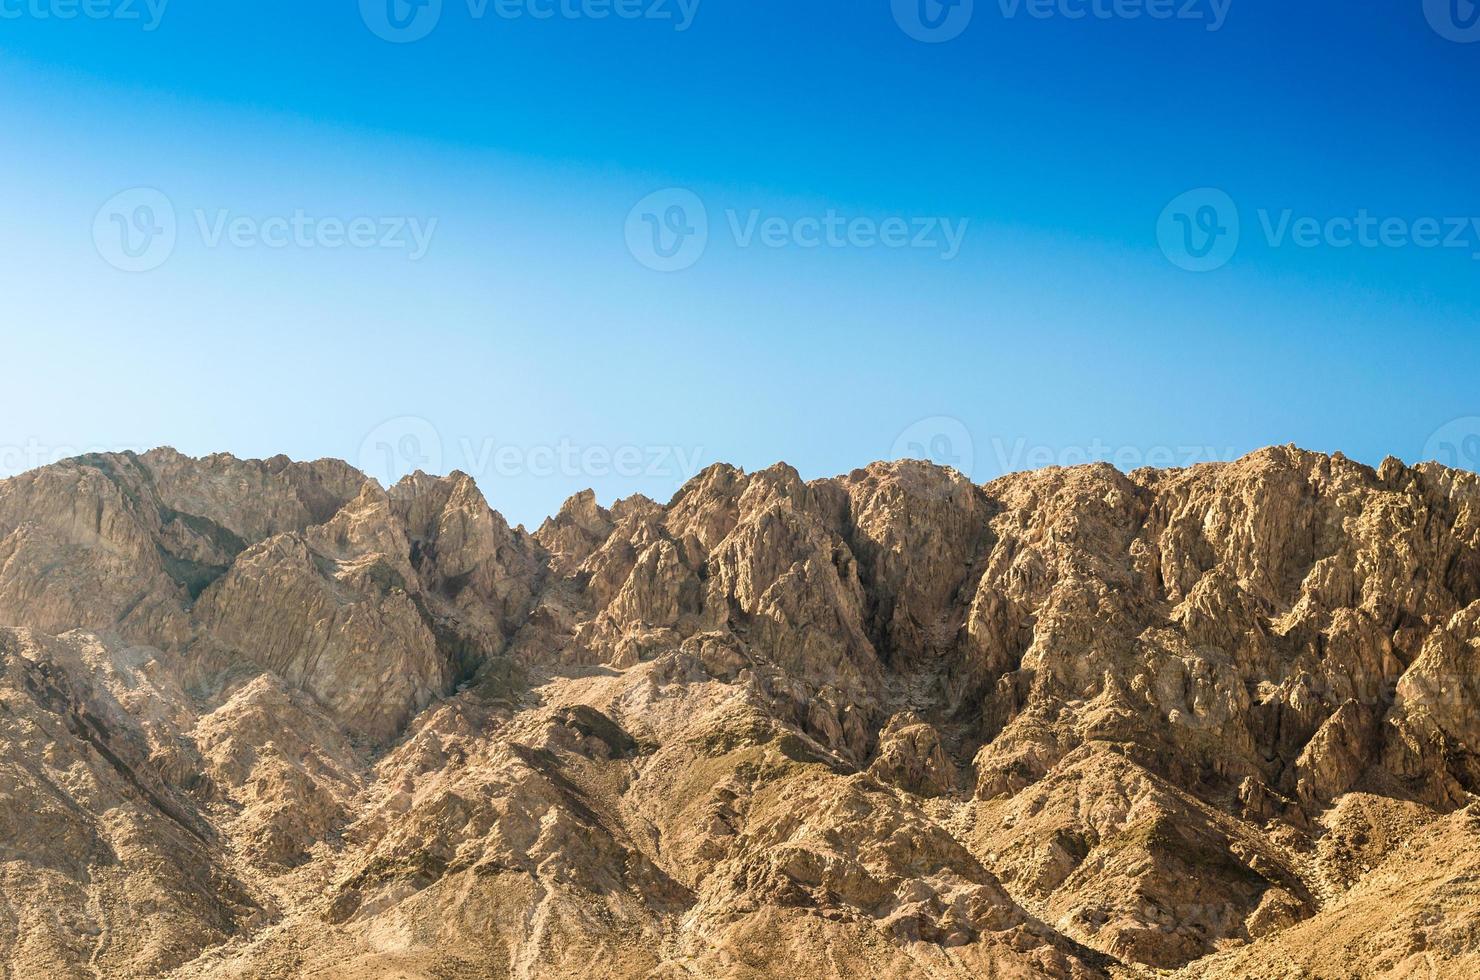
{"x": 270, "y": 719}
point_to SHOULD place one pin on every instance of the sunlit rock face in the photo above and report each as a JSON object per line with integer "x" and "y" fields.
{"x": 268, "y": 718}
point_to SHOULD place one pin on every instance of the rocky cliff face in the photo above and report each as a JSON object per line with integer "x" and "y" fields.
{"x": 272, "y": 719}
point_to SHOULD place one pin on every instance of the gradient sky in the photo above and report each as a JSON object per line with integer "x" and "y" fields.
{"x": 530, "y": 346}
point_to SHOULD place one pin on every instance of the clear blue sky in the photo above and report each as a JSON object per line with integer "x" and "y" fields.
{"x": 532, "y": 327}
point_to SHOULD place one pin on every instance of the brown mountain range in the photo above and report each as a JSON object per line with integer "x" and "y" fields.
{"x": 269, "y": 719}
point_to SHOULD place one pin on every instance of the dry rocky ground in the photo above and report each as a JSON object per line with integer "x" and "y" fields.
{"x": 269, "y": 719}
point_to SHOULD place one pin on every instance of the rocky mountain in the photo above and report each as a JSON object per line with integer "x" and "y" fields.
{"x": 271, "y": 719}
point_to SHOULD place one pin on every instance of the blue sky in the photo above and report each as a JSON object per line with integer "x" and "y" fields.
{"x": 503, "y": 307}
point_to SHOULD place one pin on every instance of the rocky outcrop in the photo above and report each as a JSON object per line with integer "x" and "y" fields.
{"x": 101, "y": 800}
{"x": 87, "y": 543}
{"x": 910, "y": 756}
{"x": 333, "y": 611}
{"x": 284, "y": 774}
